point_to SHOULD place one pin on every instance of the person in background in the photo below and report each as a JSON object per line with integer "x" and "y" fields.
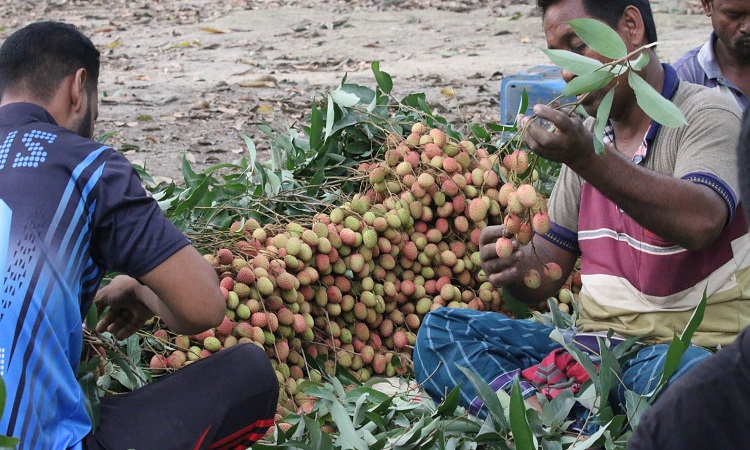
{"x": 723, "y": 62}
{"x": 72, "y": 209}
{"x": 706, "y": 408}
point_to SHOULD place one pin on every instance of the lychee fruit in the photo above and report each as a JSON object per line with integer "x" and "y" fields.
{"x": 212, "y": 344}
{"x": 264, "y": 285}
{"x": 553, "y": 271}
{"x": 478, "y": 209}
{"x": 526, "y": 195}
{"x": 226, "y": 326}
{"x": 504, "y": 247}
{"x": 224, "y": 256}
{"x": 245, "y": 275}
{"x": 158, "y": 362}
{"x": 532, "y": 279}
{"x": 541, "y": 223}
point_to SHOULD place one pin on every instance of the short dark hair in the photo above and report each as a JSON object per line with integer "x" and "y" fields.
{"x": 39, "y": 56}
{"x": 743, "y": 163}
{"x": 610, "y": 12}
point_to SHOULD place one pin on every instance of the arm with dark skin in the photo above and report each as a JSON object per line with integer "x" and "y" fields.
{"x": 687, "y": 214}
{"x": 183, "y": 291}
{"x": 509, "y": 272}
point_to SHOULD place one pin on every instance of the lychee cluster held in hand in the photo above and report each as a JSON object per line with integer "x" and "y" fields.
{"x": 525, "y": 213}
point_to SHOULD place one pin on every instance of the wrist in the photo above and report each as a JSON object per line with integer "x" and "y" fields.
{"x": 585, "y": 161}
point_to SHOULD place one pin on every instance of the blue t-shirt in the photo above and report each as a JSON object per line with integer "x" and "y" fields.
{"x": 70, "y": 209}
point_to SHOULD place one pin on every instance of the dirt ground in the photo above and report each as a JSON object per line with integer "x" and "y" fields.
{"x": 192, "y": 76}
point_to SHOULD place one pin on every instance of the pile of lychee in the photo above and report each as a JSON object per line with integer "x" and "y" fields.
{"x": 354, "y": 284}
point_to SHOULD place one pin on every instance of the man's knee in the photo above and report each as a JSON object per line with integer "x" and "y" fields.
{"x": 250, "y": 364}
{"x": 643, "y": 373}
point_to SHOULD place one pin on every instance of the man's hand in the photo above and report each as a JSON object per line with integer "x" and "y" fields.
{"x": 499, "y": 271}
{"x": 508, "y": 272}
{"x": 569, "y": 142}
{"x": 127, "y": 312}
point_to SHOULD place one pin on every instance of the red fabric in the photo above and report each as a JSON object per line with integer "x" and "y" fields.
{"x": 252, "y": 433}
{"x": 558, "y": 371}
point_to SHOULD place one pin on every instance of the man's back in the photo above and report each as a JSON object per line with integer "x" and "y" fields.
{"x": 63, "y": 225}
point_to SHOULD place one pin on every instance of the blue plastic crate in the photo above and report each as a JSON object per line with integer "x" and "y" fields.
{"x": 542, "y": 83}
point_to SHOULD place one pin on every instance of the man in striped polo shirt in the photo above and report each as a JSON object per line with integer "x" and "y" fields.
{"x": 694, "y": 414}
{"x": 655, "y": 221}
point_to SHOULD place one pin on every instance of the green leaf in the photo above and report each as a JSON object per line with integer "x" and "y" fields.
{"x": 695, "y": 320}
{"x": 2, "y": 396}
{"x": 384, "y": 79}
{"x": 583, "y": 445}
{"x": 274, "y": 184}
{"x": 347, "y": 433}
{"x": 680, "y": 344}
{"x": 501, "y": 128}
{"x": 413, "y": 100}
{"x": 317, "y": 391}
{"x": 192, "y": 200}
{"x": 91, "y": 397}
{"x": 316, "y": 127}
{"x": 488, "y": 396}
{"x": 188, "y": 173}
{"x": 608, "y": 367}
{"x": 330, "y": 118}
{"x": 627, "y": 346}
{"x": 8, "y": 443}
{"x": 450, "y": 403}
{"x": 250, "y": 148}
{"x": 344, "y": 99}
{"x": 600, "y": 37}
{"x": 365, "y": 94}
{"x": 522, "y": 434}
{"x": 106, "y": 136}
{"x": 588, "y": 83}
{"x": 315, "y": 183}
{"x": 602, "y": 115}
{"x": 654, "y": 104}
{"x": 519, "y": 309}
{"x": 348, "y": 120}
{"x": 572, "y": 62}
{"x": 635, "y": 406}
{"x": 315, "y": 433}
{"x": 92, "y": 317}
{"x": 557, "y": 319}
{"x": 524, "y": 105}
{"x": 125, "y": 374}
{"x": 672, "y": 360}
{"x": 480, "y": 132}
{"x": 558, "y": 409}
{"x": 641, "y": 61}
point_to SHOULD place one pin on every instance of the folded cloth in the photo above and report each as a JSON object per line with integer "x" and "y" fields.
{"x": 556, "y": 372}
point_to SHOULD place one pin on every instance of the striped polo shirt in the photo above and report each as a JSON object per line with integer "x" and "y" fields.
{"x": 637, "y": 283}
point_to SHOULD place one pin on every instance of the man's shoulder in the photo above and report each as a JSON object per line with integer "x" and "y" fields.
{"x": 688, "y": 66}
{"x": 694, "y": 98}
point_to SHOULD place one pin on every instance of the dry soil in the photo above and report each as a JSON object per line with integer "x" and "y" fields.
{"x": 191, "y": 76}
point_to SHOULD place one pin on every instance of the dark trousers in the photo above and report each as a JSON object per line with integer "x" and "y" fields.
{"x": 225, "y": 401}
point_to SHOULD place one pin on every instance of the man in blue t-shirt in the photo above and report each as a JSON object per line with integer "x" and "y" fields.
{"x": 723, "y": 62}
{"x": 70, "y": 210}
